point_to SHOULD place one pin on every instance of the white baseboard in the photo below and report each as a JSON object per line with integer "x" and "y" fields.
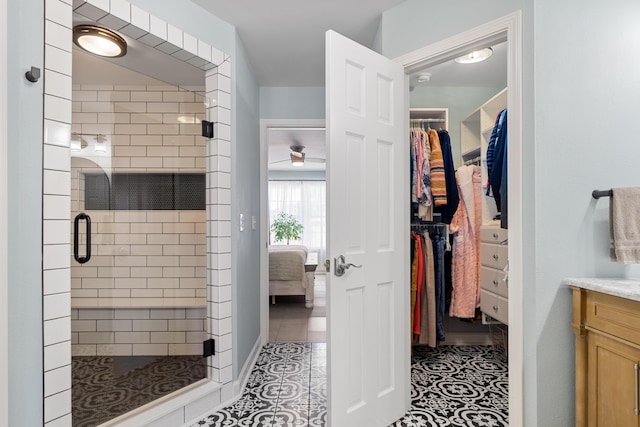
{"x": 238, "y": 385}
{"x": 467, "y": 338}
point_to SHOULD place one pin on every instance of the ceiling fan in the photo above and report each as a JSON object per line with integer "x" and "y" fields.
{"x": 297, "y": 157}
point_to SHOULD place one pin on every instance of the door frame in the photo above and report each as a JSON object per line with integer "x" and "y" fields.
{"x": 507, "y": 28}
{"x": 265, "y": 125}
{"x": 4, "y": 284}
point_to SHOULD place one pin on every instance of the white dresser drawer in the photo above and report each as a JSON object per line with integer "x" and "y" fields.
{"x": 494, "y": 256}
{"x": 494, "y": 281}
{"x": 493, "y": 234}
{"x": 495, "y": 306}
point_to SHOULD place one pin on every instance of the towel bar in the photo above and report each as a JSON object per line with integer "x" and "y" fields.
{"x": 596, "y": 194}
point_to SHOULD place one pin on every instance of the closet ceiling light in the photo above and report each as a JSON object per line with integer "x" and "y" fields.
{"x": 475, "y": 56}
{"x": 99, "y": 41}
{"x": 424, "y": 77}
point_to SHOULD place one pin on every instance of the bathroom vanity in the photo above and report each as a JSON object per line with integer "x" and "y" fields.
{"x": 606, "y": 323}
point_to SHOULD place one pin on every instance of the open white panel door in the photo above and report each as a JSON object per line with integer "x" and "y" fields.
{"x": 367, "y": 223}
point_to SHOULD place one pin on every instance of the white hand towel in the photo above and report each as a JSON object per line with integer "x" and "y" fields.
{"x": 624, "y": 224}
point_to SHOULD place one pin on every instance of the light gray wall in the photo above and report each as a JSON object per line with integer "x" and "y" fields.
{"x": 245, "y": 199}
{"x": 579, "y": 73}
{"x": 292, "y": 103}
{"x": 461, "y": 101}
{"x": 25, "y": 49}
{"x": 297, "y": 176}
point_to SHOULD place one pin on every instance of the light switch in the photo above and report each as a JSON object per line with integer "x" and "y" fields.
{"x": 241, "y": 222}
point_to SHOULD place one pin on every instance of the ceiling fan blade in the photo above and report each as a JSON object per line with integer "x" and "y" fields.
{"x": 314, "y": 160}
{"x": 279, "y": 161}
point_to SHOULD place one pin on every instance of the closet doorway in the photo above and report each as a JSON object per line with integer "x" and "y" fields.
{"x": 504, "y": 35}
{"x": 506, "y": 29}
{"x": 293, "y": 185}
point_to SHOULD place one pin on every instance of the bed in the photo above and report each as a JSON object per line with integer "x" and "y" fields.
{"x": 287, "y": 272}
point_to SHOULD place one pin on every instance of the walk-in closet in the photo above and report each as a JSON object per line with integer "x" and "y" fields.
{"x": 459, "y": 206}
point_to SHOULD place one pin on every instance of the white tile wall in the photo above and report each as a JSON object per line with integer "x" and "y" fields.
{"x": 57, "y": 124}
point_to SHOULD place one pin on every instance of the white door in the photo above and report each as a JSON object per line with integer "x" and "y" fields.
{"x": 368, "y": 186}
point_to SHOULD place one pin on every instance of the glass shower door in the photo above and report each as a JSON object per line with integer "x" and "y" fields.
{"x": 138, "y": 265}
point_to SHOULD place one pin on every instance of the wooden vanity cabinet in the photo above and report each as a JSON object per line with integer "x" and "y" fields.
{"x": 607, "y": 330}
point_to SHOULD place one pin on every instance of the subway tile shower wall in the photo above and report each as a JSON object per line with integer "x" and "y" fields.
{"x": 137, "y": 332}
{"x": 139, "y": 258}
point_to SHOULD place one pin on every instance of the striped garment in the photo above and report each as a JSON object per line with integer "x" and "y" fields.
{"x": 438, "y": 182}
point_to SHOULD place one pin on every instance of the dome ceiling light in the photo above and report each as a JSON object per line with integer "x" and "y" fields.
{"x": 475, "y": 56}
{"x": 99, "y": 41}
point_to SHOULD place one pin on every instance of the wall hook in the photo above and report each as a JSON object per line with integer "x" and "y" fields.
{"x": 33, "y": 75}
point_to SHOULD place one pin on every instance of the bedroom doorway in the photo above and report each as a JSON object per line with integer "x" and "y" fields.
{"x": 293, "y": 184}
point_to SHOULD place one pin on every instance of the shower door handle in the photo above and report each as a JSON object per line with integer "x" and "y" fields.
{"x": 76, "y": 223}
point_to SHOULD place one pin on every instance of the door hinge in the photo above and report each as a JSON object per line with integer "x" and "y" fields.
{"x": 208, "y": 347}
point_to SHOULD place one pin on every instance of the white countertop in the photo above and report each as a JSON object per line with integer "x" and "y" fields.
{"x": 624, "y": 288}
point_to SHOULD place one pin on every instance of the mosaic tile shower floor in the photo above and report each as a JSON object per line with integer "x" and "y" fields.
{"x": 451, "y": 386}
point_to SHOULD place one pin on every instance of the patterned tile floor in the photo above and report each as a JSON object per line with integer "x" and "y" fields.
{"x": 451, "y": 386}
{"x": 105, "y": 387}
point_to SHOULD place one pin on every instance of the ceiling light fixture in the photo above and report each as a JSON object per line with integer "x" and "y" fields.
{"x": 297, "y": 156}
{"x": 475, "y": 56}
{"x": 99, "y": 41}
{"x": 424, "y": 77}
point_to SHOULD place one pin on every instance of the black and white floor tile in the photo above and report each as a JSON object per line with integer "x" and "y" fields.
{"x": 451, "y": 386}
{"x": 105, "y": 387}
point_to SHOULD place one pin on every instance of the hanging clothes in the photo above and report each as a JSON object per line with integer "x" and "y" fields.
{"x": 438, "y": 180}
{"x": 428, "y": 315}
{"x": 421, "y": 197}
{"x": 465, "y": 227}
{"x": 496, "y": 166}
{"x": 420, "y": 278}
{"x": 447, "y": 210}
{"x": 438, "y": 249}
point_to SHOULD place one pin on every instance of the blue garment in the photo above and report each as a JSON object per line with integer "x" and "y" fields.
{"x": 453, "y": 199}
{"x": 438, "y": 250}
{"x": 492, "y": 146}
{"x": 499, "y": 158}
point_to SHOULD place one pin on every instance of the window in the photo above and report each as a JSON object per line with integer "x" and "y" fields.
{"x": 306, "y": 200}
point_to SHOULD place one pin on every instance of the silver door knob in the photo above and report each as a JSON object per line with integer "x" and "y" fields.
{"x": 341, "y": 265}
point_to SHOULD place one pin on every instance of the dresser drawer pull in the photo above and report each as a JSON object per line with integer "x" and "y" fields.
{"x": 495, "y": 235}
{"x": 495, "y": 283}
{"x": 495, "y": 308}
{"x": 635, "y": 374}
{"x": 495, "y": 256}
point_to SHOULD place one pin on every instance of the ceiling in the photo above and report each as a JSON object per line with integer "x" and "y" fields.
{"x": 285, "y": 46}
{"x": 281, "y": 139}
{"x": 284, "y": 39}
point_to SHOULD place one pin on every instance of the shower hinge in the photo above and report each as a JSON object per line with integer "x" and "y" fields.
{"x": 207, "y": 129}
{"x": 208, "y": 347}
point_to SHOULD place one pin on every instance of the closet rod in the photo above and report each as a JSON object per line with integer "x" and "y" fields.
{"x": 596, "y": 194}
{"x": 429, "y": 120}
{"x": 475, "y": 160}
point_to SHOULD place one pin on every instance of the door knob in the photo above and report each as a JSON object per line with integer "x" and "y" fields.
{"x": 341, "y": 265}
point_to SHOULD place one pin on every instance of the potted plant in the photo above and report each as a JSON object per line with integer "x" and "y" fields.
{"x": 286, "y": 227}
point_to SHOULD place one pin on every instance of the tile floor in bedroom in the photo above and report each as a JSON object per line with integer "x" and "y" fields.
{"x": 290, "y": 321}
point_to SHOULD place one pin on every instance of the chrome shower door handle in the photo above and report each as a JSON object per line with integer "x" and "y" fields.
{"x": 341, "y": 265}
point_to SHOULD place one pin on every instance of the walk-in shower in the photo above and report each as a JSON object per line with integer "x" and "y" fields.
{"x": 138, "y": 267}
